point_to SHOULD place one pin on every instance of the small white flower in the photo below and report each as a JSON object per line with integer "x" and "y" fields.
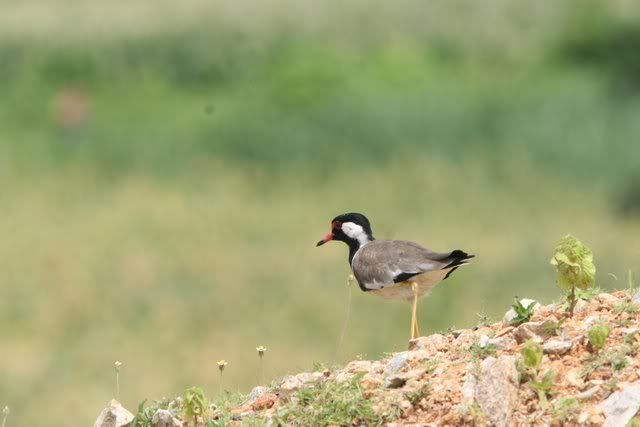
{"x": 261, "y": 350}
{"x": 5, "y": 411}
{"x": 221, "y": 364}
{"x": 117, "y": 365}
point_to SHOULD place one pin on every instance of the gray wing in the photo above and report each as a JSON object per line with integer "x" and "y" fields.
{"x": 385, "y": 262}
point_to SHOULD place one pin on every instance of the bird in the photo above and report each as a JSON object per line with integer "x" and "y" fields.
{"x": 392, "y": 269}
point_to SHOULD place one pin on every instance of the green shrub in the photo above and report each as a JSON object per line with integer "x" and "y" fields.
{"x": 574, "y": 266}
{"x": 597, "y": 336}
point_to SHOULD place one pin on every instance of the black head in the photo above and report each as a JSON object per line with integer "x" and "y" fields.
{"x": 352, "y": 228}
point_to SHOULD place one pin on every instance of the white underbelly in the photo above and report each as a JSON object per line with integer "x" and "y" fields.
{"x": 404, "y": 290}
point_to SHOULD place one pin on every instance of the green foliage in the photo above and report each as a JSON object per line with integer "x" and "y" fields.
{"x": 574, "y": 264}
{"x": 531, "y": 355}
{"x": 626, "y": 307}
{"x": 330, "y": 403}
{"x": 144, "y": 416}
{"x": 564, "y": 409}
{"x": 523, "y": 314}
{"x": 543, "y": 387}
{"x": 416, "y": 396}
{"x": 588, "y": 293}
{"x": 597, "y": 336}
{"x": 482, "y": 352}
{"x": 195, "y": 405}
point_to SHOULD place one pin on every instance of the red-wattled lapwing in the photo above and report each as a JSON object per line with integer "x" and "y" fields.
{"x": 393, "y": 269}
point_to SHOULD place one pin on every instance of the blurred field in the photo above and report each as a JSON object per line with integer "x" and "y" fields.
{"x": 166, "y": 169}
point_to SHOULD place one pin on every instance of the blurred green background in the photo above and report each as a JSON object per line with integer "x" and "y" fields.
{"x": 166, "y": 168}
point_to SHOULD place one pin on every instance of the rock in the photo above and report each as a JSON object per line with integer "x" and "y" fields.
{"x": 510, "y": 315}
{"x": 621, "y": 406}
{"x": 556, "y": 346}
{"x": 607, "y": 299}
{"x": 255, "y": 394}
{"x": 164, "y": 418}
{"x": 592, "y": 320}
{"x": 580, "y": 307}
{"x": 400, "y": 379}
{"x": 588, "y": 394}
{"x": 293, "y": 383}
{"x": 358, "y": 366}
{"x": 432, "y": 342}
{"x": 502, "y": 342}
{"x": 496, "y": 390}
{"x": 264, "y": 401}
{"x": 483, "y": 341}
{"x": 534, "y": 330}
{"x": 114, "y": 415}
{"x": 396, "y": 363}
{"x": 468, "y": 390}
{"x": 573, "y": 378}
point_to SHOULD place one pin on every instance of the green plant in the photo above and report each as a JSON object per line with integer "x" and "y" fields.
{"x": 626, "y": 307}
{"x": 144, "y": 416}
{"x": 588, "y": 293}
{"x": 195, "y": 406}
{"x": 261, "y": 350}
{"x": 543, "y": 387}
{"x": 531, "y": 355}
{"x": 564, "y": 409}
{"x": 416, "y": 396}
{"x": 117, "y": 365}
{"x": 553, "y": 328}
{"x": 523, "y": 313}
{"x": 5, "y": 415}
{"x": 597, "y": 336}
{"x": 574, "y": 266}
{"x": 482, "y": 352}
{"x": 330, "y": 403}
{"x": 221, "y": 365}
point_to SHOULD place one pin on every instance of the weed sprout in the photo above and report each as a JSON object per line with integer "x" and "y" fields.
{"x": 221, "y": 364}
{"x": 5, "y": 415}
{"x": 117, "y": 365}
{"x": 261, "y": 350}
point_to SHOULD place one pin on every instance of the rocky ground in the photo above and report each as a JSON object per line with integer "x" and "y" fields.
{"x": 488, "y": 375}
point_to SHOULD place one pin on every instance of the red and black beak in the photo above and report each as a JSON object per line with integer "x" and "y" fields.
{"x": 325, "y": 239}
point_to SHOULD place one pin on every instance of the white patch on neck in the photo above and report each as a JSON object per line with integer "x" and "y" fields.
{"x": 355, "y": 231}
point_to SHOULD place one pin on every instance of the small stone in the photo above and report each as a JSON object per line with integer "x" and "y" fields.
{"x": 573, "y": 378}
{"x": 396, "y": 363}
{"x": 580, "y": 307}
{"x": 293, "y": 383}
{"x": 588, "y": 394}
{"x": 621, "y": 406}
{"x": 556, "y": 347}
{"x": 114, "y": 415}
{"x": 164, "y": 418}
{"x": 607, "y": 299}
{"x": 432, "y": 342}
{"x": 343, "y": 376}
{"x": 358, "y": 366}
{"x": 502, "y": 342}
{"x": 255, "y": 393}
{"x": 496, "y": 390}
{"x": 534, "y": 330}
{"x": 265, "y": 401}
{"x": 483, "y": 341}
{"x": 400, "y": 379}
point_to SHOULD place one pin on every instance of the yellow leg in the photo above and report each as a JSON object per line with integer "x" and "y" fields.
{"x": 414, "y": 320}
